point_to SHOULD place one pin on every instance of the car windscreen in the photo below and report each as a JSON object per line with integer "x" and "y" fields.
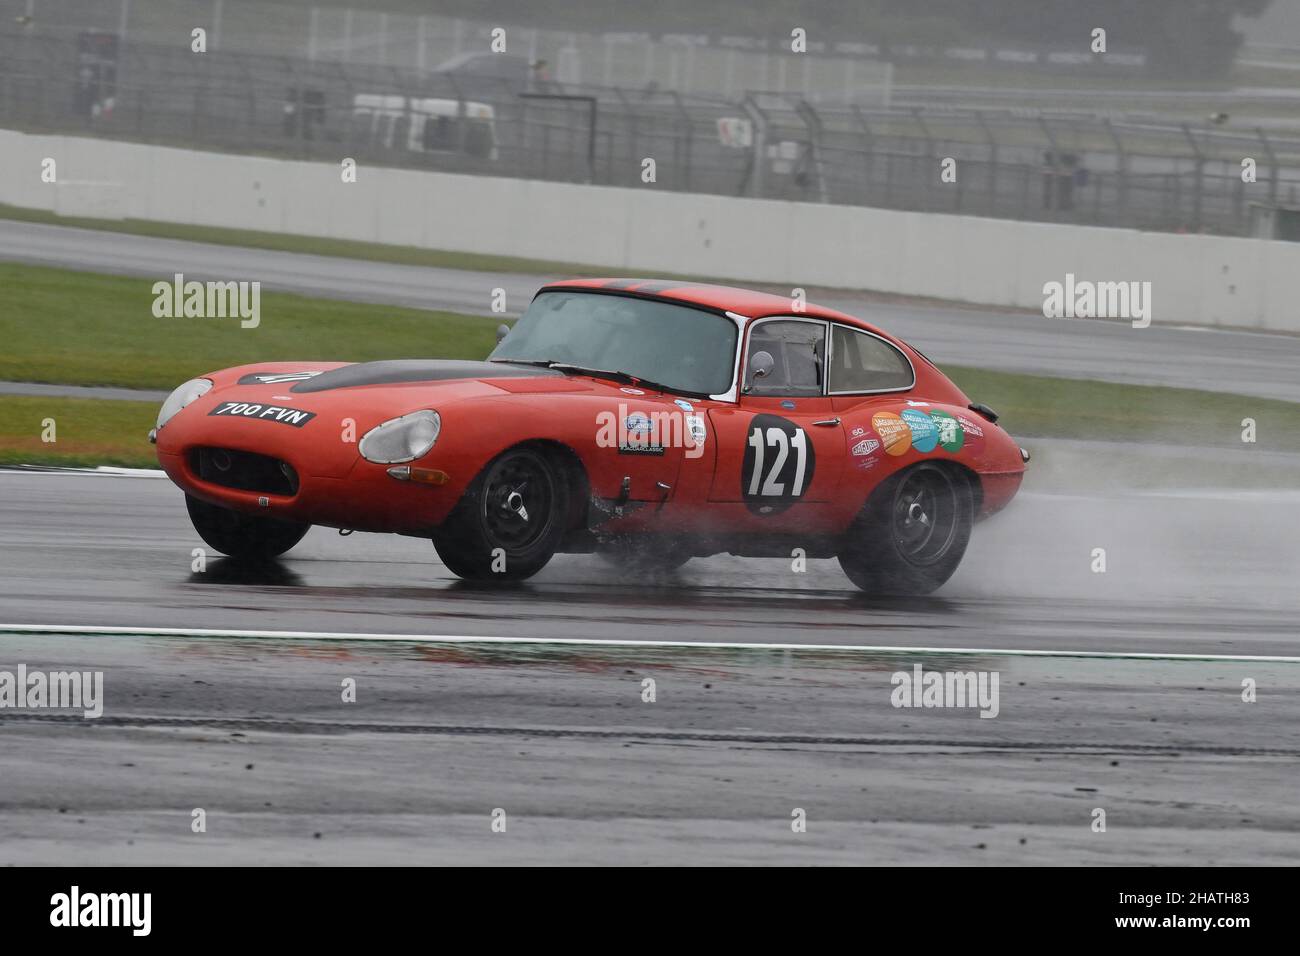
{"x": 682, "y": 348}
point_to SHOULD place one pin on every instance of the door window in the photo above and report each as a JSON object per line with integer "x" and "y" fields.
{"x": 798, "y": 350}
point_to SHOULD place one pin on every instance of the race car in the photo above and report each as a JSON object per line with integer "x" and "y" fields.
{"x": 647, "y": 421}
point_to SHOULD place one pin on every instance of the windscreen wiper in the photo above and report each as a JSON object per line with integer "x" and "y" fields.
{"x": 627, "y": 377}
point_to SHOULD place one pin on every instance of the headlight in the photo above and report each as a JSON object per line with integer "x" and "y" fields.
{"x": 401, "y": 439}
{"x": 194, "y": 388}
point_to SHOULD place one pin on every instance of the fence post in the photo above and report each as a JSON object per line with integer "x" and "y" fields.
{"x": 629, "y": 115}
{"x": 813, "y": 122}
{"x": 1197, "y": 197}
{"x": 1272, "y": 164}
{"x": 686, "y": 119}
{"x": 929, "y": 154}
{"x": 993, "y": 159}
{"x": 1121, "y": 155}
{"x": 870, "y": 153}
{"x": 1052, "y": 194}
{"x": 759, "y": 120}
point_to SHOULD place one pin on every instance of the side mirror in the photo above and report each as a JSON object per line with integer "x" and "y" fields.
{"x": 761, "y": 365}
{"x": 502, "y": 331}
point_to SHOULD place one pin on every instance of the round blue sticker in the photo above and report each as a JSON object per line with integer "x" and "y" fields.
{"x": 924, "y": 433}
{"x": 788, "y": 405}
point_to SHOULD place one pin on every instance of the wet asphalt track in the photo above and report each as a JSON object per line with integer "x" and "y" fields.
{"x": 252, "y": 729}
{"x": 1240, "y": 362}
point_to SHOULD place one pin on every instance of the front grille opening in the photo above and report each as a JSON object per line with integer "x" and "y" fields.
{"x": 244, "y": 471}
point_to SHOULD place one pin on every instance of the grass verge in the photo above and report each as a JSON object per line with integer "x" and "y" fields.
{"x": 1036, "y": 405}
{"x": 88, "y": 432}
{"x": 84, "y": 328}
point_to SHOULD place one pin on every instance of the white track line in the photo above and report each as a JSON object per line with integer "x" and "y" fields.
{"x": 612, "y": 642}
{"x": 110, "y": 471}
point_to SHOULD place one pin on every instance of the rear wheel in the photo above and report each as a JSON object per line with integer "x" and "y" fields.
{"x": 510, "y": 520}
{"x": 240, "y": 535}
{"x": 913, "y": 532}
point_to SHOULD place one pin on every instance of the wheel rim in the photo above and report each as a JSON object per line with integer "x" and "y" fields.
{"x": 517, "y": 502}
{"x": 926, "y": 516}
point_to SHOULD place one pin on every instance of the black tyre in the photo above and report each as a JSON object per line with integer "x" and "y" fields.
{"x": 250, "y": 537}
{"x": 912, "y": 533}
{"x": 510, "y": 521}
{"x": 643, "y": 554}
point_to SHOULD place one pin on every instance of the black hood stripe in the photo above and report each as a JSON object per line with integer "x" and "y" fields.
{"x": 398, "y": 371}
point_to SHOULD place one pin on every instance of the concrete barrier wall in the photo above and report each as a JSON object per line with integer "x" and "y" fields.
{"x": 1198, "y": 280}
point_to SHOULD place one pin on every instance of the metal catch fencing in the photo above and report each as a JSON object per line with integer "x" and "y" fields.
{"x": 1072, "y": 167}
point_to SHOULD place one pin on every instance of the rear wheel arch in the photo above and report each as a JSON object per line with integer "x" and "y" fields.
{"x": 969, "y": 474}
{"x": 972, "y": 479}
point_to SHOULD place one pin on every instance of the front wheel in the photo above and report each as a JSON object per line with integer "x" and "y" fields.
{"x": 913, "y": 532}
{"x": 510, "y": 521}
{"x": 249, "y": 537}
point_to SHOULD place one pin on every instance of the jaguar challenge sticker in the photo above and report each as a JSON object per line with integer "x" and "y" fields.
{"x": 296, "y": 417}
{"x": 893, "y": 431}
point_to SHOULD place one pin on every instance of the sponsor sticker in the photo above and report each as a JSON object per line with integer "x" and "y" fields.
{"x": 951, "y": 435}
{"x": 638, "y": 428}
{"x": 695, "y": 428}
{"x": 631, "y": 448}
{"x": 282, "y": 414}
{"x": 924, "y": 433}
{"x": 893, "y": 432}
{"x": 684, "y": 405}
{"x": 969, "y": 427}
{"x": 865, "y": 447}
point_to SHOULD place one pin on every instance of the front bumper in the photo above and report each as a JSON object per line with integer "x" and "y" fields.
{"x": 365, "y": 498}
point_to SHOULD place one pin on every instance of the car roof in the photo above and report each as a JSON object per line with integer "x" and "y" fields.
{"x": 744, "y": 302}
